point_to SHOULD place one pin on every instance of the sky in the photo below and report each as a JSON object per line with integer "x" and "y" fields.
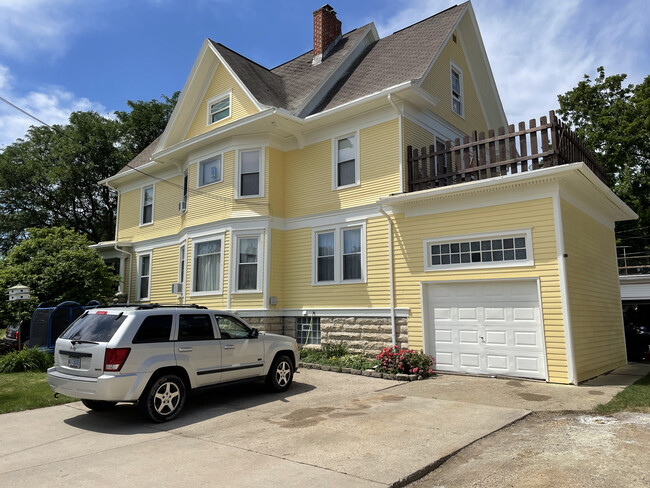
{"x": 59, "y": 56}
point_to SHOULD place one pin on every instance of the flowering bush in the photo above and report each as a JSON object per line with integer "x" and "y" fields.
{"x": 407, "y": 361}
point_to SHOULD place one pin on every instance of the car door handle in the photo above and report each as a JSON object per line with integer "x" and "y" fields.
{"x": 184, "y": 349}
{"x": 229, "y": 346}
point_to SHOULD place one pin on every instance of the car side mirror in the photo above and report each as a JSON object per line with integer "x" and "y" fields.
{"x": 254, "y": 333}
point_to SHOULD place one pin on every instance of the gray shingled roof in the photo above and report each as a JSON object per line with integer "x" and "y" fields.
{"x": 143, "y": 158}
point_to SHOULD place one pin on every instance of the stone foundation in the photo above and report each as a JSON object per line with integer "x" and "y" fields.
{"x": 365, "y": 335}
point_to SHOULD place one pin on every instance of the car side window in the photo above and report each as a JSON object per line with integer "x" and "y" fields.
{"x": 195, "y": 327}
{"x": 154, "y": 328}
{"x": 231, "y": 328}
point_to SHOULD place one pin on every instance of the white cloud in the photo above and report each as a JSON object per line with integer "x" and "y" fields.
{"x": 51, "y": 104}
{"x": 539, "y": 49}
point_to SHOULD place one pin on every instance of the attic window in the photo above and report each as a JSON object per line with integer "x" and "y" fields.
{"x": 219, "y": 108}
{"x": 457, "y": 90}
{"x": 453, "y": 37}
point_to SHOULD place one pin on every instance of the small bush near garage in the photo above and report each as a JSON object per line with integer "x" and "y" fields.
{"x": 336, "y": 354}
{"x": 405, "y": 361}
{"x": 25, "y": 360}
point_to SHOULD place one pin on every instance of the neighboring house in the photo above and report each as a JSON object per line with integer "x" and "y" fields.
{"x": 285, "y": 194}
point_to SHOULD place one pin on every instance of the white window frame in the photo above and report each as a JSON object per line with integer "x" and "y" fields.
{"x": 215, "y": 99}
{"x": 525, "y": 233}
{"x": 185, "y": 189}
{"x": 212, "y": 237}
{"x": 153, "y": 201}
{"x": 208, "y": 160}
{"x": 182, "y": 264}
{"x": 338, "y": 253}
{"x": 236, "y": 238}
{"x": 138, "y": 284}
{"x": 335, "y": 162}
{"x": 262, "y": 158}
{"x": 461, "y": 99}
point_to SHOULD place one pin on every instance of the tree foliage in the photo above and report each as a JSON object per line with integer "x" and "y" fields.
{"x": 51, "y": 177}
{"x": 57, "y": 265}
{"x": 614, "y": 121}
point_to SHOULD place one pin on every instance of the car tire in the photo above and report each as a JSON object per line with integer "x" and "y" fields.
{"x": 98, "y": 405}
{"x": 280, "y": 375}
{"x": 163, "y": 399}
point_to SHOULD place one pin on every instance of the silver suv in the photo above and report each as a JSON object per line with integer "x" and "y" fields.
{"x": 154, "y": 355}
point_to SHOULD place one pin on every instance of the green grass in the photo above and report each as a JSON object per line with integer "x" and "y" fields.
{"x": 26, "y": 391}
{"x": 634, "y": 398}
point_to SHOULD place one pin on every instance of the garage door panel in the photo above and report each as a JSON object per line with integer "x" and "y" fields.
{"x": 487, "y": 328}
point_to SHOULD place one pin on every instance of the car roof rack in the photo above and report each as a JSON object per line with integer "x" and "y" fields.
{"x": 150, "y": 306}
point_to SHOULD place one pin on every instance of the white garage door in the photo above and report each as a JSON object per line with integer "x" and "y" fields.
{"x": 486, "y": 328}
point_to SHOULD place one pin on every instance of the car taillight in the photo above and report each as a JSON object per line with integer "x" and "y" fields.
{"x": 114, "y": 358}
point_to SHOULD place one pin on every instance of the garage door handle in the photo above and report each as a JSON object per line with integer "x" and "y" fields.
{"x": 482, "y": 339}
{"x": 229, "y": 347}
{"x": 184, "y": 349}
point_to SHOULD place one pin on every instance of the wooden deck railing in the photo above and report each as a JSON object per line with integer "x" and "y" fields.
{"x": 508, "y": 152}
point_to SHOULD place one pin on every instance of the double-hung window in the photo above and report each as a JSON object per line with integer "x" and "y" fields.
{"x": 144, "y": 276}
{"x": 207, "y": 266}
{"x": 210, "y": 171}
{"x": 181, "y": 266}
{"x": 248, "y": 249}
{"x": 250, "y": 173}
{"x": 183, "y": 205}
{"x": 457, "y": 90}
{"x": 219, "y": 108}
{"x": 146, "y": 212}
{"x": 346, "y": 161}
{"x": 339, "y": 255}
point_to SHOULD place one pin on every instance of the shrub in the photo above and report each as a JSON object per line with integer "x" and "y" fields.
{"x": 26, "y": 360}
{"x": 357, "y": 361}
{"x": 336, "y": 354}
{"x": 407, "y": 361}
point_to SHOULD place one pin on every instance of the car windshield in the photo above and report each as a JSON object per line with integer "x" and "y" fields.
{"x": 93, "y": 327}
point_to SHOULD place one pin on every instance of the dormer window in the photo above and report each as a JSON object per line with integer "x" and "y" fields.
{"x": 219, "y": 108}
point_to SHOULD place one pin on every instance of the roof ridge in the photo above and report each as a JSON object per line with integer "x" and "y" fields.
{"x": 427, "y": 18}
{"x": 244, "y": 57}
{"x": 311, "y": 50}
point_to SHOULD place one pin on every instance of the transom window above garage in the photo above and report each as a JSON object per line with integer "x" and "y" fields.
{"x": 479, "y": 251}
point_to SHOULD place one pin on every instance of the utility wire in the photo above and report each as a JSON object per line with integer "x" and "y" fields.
{"x": 128, "y": 165}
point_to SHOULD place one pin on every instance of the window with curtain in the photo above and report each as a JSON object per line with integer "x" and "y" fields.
{"x": 247, "y": 263}
{"x": 338, "y": 255}
{"x": 325, "y": 265}
{"x": 207, "y": 265}
{"x": 249, "y": 173}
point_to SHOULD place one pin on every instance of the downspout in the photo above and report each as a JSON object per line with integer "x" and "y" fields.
{"x": 391, "y": 277}
{"x": 117, "y": 226}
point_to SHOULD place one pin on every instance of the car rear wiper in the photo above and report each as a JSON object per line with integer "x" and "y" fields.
{"x": 80, "y": 341}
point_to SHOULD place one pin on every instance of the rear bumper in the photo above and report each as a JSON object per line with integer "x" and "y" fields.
{"x": 112, "y": 388}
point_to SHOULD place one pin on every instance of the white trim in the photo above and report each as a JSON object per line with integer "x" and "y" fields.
{"x": 138, "y": 276}
{"x": 564, "y": 290}
{"x": 454, "y": 67}
{"x": 267, "y": 267}
{"x": 235, "y": 237}
{"x": 506, "y": 234}
{"x": 335, "y": 161}
{"x": 261, "y": 159}
{"x": 213, "y": 237}
{"x": 338, "y": 231}
{"x": 402, "y": 312}
{"x": 215, "y": 99}
{"x": 219, "y": 155}
{"x": 153, "y": 199}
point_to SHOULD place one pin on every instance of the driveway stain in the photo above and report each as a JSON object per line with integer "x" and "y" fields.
{"x": 533, "y": 397}
{"x": 515, "y": 383}
{"x": 596, "y": 392}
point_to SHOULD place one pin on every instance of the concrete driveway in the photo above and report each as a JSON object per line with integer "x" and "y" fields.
{"x": 328, "y": 430}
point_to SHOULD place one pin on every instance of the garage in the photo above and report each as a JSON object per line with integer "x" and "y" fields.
{"x": 486, "y": 327}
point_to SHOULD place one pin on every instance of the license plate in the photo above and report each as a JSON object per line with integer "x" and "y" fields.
{"x": 74, "y": 362}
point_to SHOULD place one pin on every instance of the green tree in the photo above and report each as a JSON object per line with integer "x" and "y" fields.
{"x": 614, "y": 121}
{"x": 57, "y": 265}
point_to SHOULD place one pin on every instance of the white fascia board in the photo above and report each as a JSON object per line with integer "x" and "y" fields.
{"x": 107, "y": 181}
{"x": 260, "y": 106}
{"x": 359, "y": 101}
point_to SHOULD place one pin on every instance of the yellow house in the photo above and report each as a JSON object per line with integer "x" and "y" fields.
{"x": 291, "y": 196}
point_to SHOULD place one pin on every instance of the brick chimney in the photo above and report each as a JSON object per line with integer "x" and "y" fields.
{"x": 327, "y": 32}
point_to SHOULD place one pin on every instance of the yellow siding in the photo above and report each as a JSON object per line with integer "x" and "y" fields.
{"x": 416, "y": 136}
{"x": 278, "y": 268}
{"x": 166, "y": 217}
{"x": 409, "y": 264}
{"x": 241, "y": 104}
{"x": 294, "y": 288}
{"x": 438, "y": 83}
{"x": 164, "y": 272}
{"x": 309, "y": 173}
{"x": 277, "y": 182}
{"x": 594, "y": 294}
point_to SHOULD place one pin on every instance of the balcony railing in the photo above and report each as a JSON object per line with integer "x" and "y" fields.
{"x": 508, "y": 152}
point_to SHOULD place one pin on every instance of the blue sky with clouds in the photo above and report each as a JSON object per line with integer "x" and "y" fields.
{"x": 65, "y": 55}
